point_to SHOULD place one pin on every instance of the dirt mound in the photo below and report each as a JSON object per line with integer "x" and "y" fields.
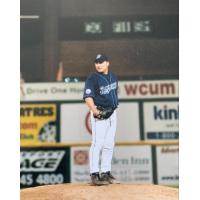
{"x": 110, "y": 192}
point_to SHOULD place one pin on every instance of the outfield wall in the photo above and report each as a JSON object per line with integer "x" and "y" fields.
{"x": 55, "y": 133}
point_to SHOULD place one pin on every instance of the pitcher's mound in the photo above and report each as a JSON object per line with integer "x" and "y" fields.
{"x": 110, "y": 192}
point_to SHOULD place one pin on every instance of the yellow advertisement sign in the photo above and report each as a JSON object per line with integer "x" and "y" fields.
{"x": 38, "y": 123}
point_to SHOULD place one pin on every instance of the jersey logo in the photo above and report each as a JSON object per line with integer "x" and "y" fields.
{"x": 88, "y": 91}
{"x": 108, "y": 88}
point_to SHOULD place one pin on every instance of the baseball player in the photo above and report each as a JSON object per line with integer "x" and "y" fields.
{"x": 100, "y": 95}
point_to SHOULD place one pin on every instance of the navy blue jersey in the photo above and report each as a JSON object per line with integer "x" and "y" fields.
{"x": 102, "y": 88}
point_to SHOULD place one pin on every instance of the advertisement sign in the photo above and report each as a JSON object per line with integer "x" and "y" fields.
{"x": 161, "y": 120}
{"x": 133, "y": 164}
{"x": 38, "y": 123}
{"x": 51, "y": 91}
{"x": 44, "y": 166}
{"x": 129, "y": 164}
{"x": 75, "y": 124}
{"x": 80, "y": 172}
{"x": 167, "y": 165}
{"x": 128, "y": 128}
{"x": 148, "y": 89}
{"x": 74, "y": 91}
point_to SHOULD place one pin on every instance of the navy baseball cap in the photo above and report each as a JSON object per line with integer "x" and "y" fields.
{"x": 100, "y": 58}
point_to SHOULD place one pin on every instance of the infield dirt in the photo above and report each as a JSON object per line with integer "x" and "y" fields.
{"x": 110, "y": 192}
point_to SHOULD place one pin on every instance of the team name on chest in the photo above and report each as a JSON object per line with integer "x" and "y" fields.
{"x": 106, "y": 89}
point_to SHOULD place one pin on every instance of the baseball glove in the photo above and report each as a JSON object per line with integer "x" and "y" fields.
{"x": 104, "y": 113}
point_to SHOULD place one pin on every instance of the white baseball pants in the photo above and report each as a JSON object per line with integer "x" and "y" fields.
{"x": 101, "y": 150}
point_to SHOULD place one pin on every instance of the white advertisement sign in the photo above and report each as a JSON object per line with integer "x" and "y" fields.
{"x": 148, "y": 89}
{"x": 129, "y": 164}
{"x": 161, "y": 120}
{"x": 167, "y": 165}
{"x": 75, "y": 125}
{"x": 80, "y": 172}
{"x": 51, "y": 91}
{"x": 128, "y": 128}
{"x": 74, "y": 91}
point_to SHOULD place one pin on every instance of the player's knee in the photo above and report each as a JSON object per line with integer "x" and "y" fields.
{"x": 109, "y": 145}
{"x": 98, "y": 144}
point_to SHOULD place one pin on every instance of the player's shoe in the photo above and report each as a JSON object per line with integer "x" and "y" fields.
{"x": 107, "y": 176}
{"x": 96, "y": 180}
